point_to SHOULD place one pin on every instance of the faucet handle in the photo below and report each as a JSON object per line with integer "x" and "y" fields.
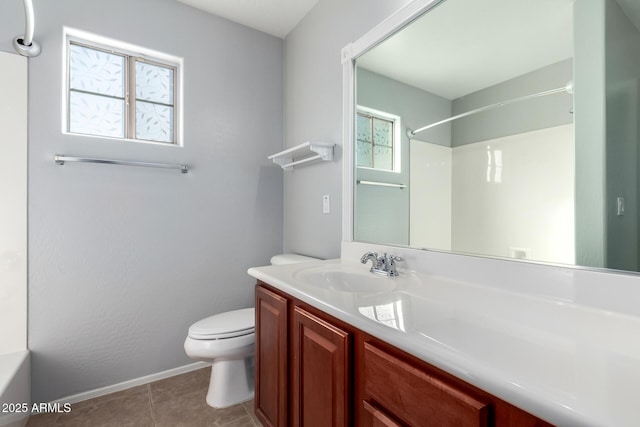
{"x": 392, "y": 265}
{"x": 392, "y": 262}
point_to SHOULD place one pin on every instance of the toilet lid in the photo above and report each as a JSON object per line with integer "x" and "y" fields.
{"x": 224, "y": 325}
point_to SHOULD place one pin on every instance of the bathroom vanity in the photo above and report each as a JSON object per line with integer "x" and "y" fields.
{"x": 313, "y": 369}
{"x": 338, "y": 345}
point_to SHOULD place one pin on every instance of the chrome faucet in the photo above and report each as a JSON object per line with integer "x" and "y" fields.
{"x": 373, "y": 257}
{"x": 385, "y": 265}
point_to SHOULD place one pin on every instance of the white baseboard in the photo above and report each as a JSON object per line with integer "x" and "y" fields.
{"x": 131, "y": 383}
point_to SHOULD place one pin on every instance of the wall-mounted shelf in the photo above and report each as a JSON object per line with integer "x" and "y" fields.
{"x": 303, "y": 153}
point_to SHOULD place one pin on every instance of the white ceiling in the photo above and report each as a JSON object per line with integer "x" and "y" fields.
{"x": 275, "y": 17}
{"x": 463, "y": 46}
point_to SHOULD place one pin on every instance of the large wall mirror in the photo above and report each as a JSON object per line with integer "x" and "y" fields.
{"x": 503, "y": 128}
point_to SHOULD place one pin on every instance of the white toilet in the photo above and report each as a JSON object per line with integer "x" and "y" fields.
{"x": 227, "y": 340}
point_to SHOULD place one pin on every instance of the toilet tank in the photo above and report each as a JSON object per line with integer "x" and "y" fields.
{"x": 290, "y": 259}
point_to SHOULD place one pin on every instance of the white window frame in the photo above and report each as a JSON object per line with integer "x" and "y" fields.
{"x": 397, "y": 137}
{"x": 93, "y": 41}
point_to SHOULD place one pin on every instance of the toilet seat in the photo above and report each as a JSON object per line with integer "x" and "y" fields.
{"x": 230, "y": 324}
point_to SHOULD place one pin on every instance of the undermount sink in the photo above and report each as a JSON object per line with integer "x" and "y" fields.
{"x": 338, "y": 277}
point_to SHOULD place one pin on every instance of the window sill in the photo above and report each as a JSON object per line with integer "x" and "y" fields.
{"x": 122, "y": 140}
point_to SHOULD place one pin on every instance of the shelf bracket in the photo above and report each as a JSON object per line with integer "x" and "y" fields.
{"x": 303, "y": 153}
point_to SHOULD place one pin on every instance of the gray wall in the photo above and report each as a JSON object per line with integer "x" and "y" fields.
{"x": 122, "y": 260}
{"x": 589, "y": 121}
{"x": 313, "y": 111}
{"x": 606, "y": 117}
{"x": 530, "y": 115}
{"x": 389, "y": 207}
{"x": 622, "y": 118}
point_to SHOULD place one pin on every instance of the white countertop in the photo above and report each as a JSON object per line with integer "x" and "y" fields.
{"x": 570, "y": 364}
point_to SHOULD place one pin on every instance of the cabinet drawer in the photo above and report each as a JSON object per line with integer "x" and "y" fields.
{"x": 415, "y": 397}
{"x": 376, "y": 417}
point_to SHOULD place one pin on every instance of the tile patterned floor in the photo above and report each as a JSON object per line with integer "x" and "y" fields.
{"x": 173, "y": 402}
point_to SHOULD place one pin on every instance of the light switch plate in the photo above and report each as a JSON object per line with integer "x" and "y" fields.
{"x": 326, "y": 204}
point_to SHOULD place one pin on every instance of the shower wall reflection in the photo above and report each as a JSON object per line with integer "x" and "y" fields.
{"x": 499, "y": 183}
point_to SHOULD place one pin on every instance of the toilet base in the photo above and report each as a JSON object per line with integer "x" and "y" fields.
{"x": 231, "y": 382}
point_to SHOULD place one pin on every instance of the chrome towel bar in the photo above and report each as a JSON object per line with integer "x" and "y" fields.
{"x": 381, "y": 184}
{"x": 61, "y": 159}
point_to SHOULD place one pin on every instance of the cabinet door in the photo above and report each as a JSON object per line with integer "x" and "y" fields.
{"x": 271, "y": 358}
{"x": 321, "y": 372}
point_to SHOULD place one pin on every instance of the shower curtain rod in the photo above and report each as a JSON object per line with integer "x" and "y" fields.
{"x": 567, "y": 88}
{"x": 25, "y": 45}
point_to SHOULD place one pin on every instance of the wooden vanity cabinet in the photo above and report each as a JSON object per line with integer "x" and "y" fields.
{"x": 303, "y": 365}
{"x": 315, "y": 370}
{"x": 272, "y": 355}
{"x": 320, "y": 372}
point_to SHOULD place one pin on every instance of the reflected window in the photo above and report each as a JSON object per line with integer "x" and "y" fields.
{"x": 494, "y": 165}
{"x": 390, "y": 314}
{"x": 376, "y": 135}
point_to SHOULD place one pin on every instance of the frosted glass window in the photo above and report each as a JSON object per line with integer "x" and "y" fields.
{"x": 96, "y": 115}
{"x": 383, "y": 132}
{"x": 154, "y": 102}
{"x": 95, "y": 71}
{"x": 154, "y": 83}
{"x": 383, "y": 157}
{"x": 363, "y": 142}
{"x": 154, "y": 122}
{"x": 119, "y": 95}
{"x": 374, "y": 142}
{"x": 96, "y": 92}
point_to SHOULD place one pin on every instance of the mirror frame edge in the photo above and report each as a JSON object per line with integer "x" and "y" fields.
{"x": 348, "y": 90}
{"x": 394, "y": 23}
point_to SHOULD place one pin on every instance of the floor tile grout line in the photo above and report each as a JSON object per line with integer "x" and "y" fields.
{"x": 247, "y": 412}
{"x": 153, "y": 417}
